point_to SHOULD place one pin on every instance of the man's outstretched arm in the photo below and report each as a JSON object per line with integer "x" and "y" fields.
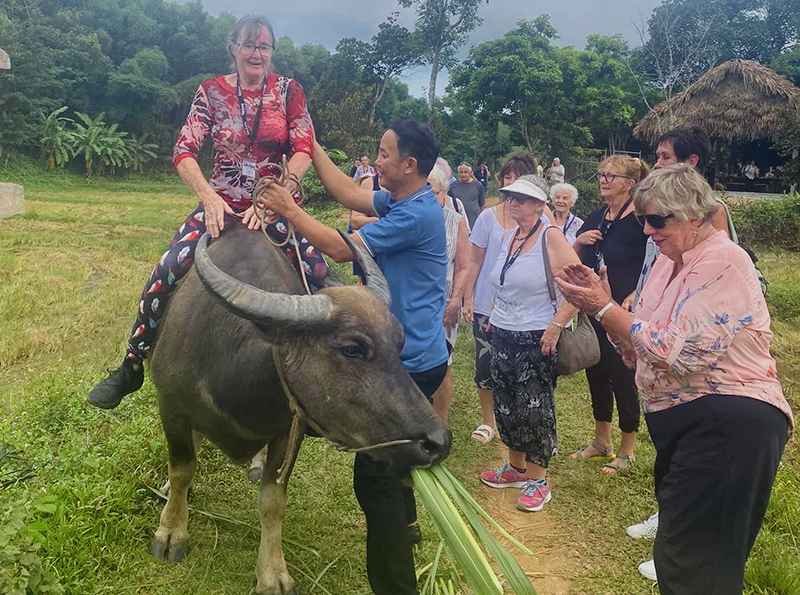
{"x": 325, "y": 239}
{"x": 340, "y": 186}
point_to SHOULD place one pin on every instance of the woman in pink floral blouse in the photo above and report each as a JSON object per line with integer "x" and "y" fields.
{"x": 254, "y": 117}
{"x": 699, "y": 339}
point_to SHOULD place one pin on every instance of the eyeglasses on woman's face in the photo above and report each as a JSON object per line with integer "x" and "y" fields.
{"x": 654, "y": 221}
{"x": 609, "y": 177}
{"x": 250, "y": 48}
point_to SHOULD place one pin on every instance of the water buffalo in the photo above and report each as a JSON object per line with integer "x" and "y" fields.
{"x": 216, "y": 377}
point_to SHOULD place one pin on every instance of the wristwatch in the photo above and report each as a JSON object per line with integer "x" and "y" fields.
{"x": 599, "y": 315}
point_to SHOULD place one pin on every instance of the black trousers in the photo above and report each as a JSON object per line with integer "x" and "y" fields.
{"x": 716, "y": 460}
{"x": 389, "y": 506}
{"x": 611, "y": 378}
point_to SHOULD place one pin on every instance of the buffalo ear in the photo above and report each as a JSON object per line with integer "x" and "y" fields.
{"x": 375, "y": 279}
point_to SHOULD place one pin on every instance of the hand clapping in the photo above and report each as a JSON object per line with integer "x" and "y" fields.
{"x": 583, "y": 288}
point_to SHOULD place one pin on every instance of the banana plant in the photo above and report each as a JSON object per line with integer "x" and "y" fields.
{"x": 94, "y": 139}
{"x": 56, "y": 138}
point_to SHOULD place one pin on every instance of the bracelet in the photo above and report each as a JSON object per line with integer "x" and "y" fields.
{"x": 559, "y": 325}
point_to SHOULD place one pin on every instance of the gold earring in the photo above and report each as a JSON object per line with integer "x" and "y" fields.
{"x": 694, "y": 232}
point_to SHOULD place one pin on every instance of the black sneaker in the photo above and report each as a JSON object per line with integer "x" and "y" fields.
{"x": 122, "y": 381}
{"x": 414, "y": 534}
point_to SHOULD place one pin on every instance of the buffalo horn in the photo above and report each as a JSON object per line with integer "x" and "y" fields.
{"x": 375, "y": 279}
{"x": 252, "y": 303}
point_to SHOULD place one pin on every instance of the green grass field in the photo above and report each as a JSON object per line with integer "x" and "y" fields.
{"x": 70, "y": 273}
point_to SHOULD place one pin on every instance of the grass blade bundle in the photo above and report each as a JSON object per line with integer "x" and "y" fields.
{"x": 455, "y": 533}
{"x": 454, "y": 496}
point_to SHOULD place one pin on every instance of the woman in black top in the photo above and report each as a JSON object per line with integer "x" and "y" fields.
{"x": 612, "y": 237}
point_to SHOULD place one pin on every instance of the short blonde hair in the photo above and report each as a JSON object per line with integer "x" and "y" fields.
{"x": 573, "y": 192}
{"x": 676, "y": 190}
{"x": 440, "y": 178}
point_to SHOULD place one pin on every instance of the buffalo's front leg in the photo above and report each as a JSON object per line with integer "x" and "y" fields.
{"x": 171, "y": 541}
{"x": 271, "y": 572}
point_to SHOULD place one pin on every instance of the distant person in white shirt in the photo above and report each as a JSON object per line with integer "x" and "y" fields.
{"x": 364, "y": 169}
{"x": 556, "y": 172}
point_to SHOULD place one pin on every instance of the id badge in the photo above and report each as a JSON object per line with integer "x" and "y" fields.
{"x": 249, "y": 168}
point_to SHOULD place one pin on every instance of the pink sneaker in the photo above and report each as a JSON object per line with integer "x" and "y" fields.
{"x": 535, "y": 495}
{"x": 504, "y": 477}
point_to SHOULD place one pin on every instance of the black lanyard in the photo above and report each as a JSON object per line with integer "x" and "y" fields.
{"x": 605, "y": 228}
{"x": 511, "y": 259}
{"x": 569, "y": 222}
{"x": 251, "y": 134}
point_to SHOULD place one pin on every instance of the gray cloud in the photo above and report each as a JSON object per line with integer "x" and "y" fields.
{"x": 324, "y": 22}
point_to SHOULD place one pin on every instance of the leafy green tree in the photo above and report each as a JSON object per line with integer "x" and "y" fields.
{"x": 788, "y": 64}
{"x": 94, "y": 139}
{"x": 345, "y": 130}
{"x": 684, "y": 38}
{"x": 392, "y": 51}
{"x": 517, "y": 76}
{"x": 442, "y": 27}
{"x": 56, "y": 138}
{"x": 139, "y": 92}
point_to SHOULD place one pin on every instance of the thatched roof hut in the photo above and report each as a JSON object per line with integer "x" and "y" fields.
{"x": 739, "y": 100}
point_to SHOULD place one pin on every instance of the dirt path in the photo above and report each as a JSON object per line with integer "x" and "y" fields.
{"x": 556, "y": 547}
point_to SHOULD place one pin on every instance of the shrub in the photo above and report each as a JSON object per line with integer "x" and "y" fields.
{"x": 588, "y": 198}
{"x": 784, "y": 301}
{"x": 21, "y": 569}
{"x": 768, "y": 222}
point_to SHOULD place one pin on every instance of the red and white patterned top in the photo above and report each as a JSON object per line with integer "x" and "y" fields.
{"x": 285, "y": 129}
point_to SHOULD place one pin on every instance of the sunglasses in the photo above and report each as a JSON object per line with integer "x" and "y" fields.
{"x": 654, "y": 221}
{"x": 520, "y": 200}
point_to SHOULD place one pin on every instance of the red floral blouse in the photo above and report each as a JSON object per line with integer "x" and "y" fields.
{"x": 285, "y": 129}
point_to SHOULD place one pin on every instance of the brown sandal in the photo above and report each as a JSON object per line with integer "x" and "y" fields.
{"x": 606, "y": 453}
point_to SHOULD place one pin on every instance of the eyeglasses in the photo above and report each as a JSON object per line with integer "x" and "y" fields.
{"x": 654, "y": 221}
{"x": 611, "y": 177}
{"x": 249, "y": 48}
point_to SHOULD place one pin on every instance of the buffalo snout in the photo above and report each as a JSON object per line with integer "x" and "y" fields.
{"x": 428, "y": 450}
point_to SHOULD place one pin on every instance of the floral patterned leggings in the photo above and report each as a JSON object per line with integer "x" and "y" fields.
{"x": 177, "y": 261}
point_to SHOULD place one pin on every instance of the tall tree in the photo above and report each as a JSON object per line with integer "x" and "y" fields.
{"x": 516, "y": 75}
{"x": 442, "y": 27}
{"x": 390, "y": 54}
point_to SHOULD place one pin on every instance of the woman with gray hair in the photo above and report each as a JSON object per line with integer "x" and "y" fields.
{"x": 699, "y": 340}
{"x": 564, "y": 197}
{"x": 254, "y": 117}
{"x": 526, "y": 324}
{"x": 457, "y": 232}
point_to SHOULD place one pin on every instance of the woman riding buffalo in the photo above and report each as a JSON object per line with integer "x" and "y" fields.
{"x": 254, "y": 118}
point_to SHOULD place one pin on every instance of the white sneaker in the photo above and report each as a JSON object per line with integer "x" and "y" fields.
{"x": 644, "y": 530}
{"x": 648, "y": 570}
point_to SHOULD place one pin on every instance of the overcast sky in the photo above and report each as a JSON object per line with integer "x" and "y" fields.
{"x": 326, "y": 22}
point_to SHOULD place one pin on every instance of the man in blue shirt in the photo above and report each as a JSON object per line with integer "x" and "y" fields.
{"x": 408, "y": 241}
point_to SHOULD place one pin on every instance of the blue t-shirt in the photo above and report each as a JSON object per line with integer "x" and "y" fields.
{"x": 410, "y": 246}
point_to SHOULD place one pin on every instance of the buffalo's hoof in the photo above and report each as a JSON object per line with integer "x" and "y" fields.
{"x": 255, "y": 474}
{"x": 174, "y": 554}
